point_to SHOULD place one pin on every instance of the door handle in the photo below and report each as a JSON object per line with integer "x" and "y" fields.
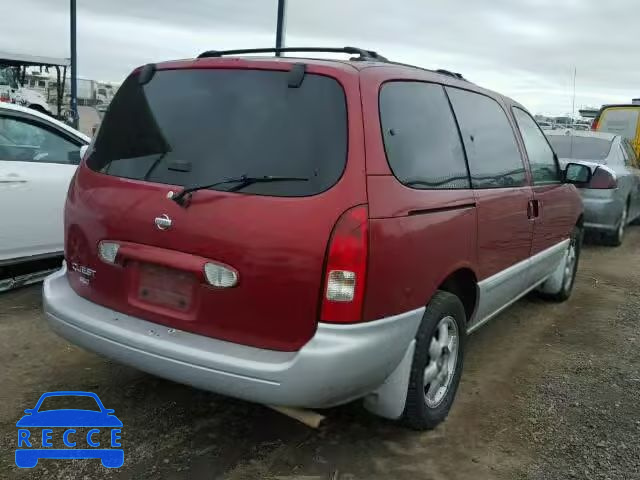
{"x": 12, "y": 178}
{"x": 533, "y": 209}
{"x": 2, "y": 180}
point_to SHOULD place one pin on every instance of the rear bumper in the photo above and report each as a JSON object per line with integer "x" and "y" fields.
{"x": 602, "y": 214}
{"x": 340, "y": 363}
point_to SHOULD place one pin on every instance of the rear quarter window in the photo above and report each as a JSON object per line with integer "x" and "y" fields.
{"x": 489, "y": 140}
{"x": 421, "y": 138}
{"x": 192, "y": 127}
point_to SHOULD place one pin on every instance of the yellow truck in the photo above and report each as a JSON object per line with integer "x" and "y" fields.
{"x": 622, "y": 120}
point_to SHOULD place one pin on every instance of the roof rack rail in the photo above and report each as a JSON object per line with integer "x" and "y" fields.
{"x": 441, "y": 71}
{"x": 450, "y": 73}
{"x": 363, "y": 55}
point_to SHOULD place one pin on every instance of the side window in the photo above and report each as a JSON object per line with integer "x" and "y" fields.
{"x": 24, "y": 141}
{"x": 492, "y": 151}
{"x": 544, "y": 167}
{"x": 624, "y": 156}
{"x": 631, "y": 154}
{"x": 421, "y": 138}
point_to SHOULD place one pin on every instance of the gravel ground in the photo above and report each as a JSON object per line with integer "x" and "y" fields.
{"x": 549, "y": 391}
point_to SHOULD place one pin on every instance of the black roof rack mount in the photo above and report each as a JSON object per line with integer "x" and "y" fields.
{"x": 450, "y": 73}
{"x": 362, "y": 54}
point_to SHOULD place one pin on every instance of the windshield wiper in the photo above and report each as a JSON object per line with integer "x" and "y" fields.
{"x": 242, "y": 181}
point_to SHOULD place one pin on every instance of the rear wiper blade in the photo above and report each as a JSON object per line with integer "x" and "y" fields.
{"x": 242, "y": 181}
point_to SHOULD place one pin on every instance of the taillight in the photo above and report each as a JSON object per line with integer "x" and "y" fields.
{"x": 108, "y": 251}
{"x": 603, "y": 179}
{"x": 4, "y": 98}
{"x": 346, "y": 269}
{"x": 220, "y": 276}
{"x": 594, "y": 124}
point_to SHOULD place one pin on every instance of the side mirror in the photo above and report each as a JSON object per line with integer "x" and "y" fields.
{"x": 29, "y": 410}
{"x": 109, "y": 411}
{"x": 577, "y": 174}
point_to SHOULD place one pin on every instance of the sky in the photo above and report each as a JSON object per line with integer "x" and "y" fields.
{"x": 526, "y": 49}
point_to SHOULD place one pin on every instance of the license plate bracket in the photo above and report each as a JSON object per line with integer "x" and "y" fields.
{"x": 166, "y": 287}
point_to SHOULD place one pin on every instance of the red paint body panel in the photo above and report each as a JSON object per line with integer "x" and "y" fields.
{"x": 504, "y": 230}
{"x": 411, "y": 256}
{"x": 276, "y": 244}
{"x": 559, "y": 207}
{"x": 418, "y": 237}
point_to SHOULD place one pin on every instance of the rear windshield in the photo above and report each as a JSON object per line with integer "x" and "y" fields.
{"x": 583, "y": 148}
{"x": 621, "y": 121}
{"x": 195, "y": 127}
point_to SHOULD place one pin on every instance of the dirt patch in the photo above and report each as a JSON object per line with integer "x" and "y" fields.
{"x": 549, "y": 391}
{"x": 585, "y": 420}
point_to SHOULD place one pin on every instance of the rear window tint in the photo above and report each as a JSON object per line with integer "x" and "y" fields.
{"x": 621, "y": 121}
{"x": 193, "y": 127}
{"x": 494, "y": 157}
{"x": 582, "y": 148}
{"x": 421, "y": 137}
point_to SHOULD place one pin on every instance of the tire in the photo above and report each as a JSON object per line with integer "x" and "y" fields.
{"x": 425, "y": 408}
{"x": 570, "y": 271}
{"x": 615, "y": 239}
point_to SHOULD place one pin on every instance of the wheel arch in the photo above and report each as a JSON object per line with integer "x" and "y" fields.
{"x": 463, "y": 283}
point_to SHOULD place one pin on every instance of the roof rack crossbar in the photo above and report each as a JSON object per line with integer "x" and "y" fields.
{"x": 362, "y": 54}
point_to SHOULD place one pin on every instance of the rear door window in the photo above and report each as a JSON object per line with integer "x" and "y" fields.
{"x": 621, "y": 121}
{"x": 194, "y": 127}
{"x": 421, "y": 138}
{"x": 492, "y": 151}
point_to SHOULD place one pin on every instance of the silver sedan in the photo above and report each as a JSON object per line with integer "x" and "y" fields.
{"x": 612, "y": 199}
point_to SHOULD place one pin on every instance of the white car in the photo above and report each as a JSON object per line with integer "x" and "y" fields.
{"x": 12, "y": 91}
{"x": 38, "y": 157}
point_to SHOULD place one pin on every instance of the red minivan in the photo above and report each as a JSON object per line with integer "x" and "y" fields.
{"x": 307, "y": 232}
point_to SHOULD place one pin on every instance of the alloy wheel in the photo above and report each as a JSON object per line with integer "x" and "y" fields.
{"x": 443, "y": 357}
{"x": 570, "y": 264}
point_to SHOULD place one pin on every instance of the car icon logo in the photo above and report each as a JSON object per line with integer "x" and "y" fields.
{"x": 45, "y": 433}
{"x": 163, "y": 222}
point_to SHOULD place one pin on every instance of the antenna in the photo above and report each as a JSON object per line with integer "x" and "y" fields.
{"x": 573, "y": 105}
